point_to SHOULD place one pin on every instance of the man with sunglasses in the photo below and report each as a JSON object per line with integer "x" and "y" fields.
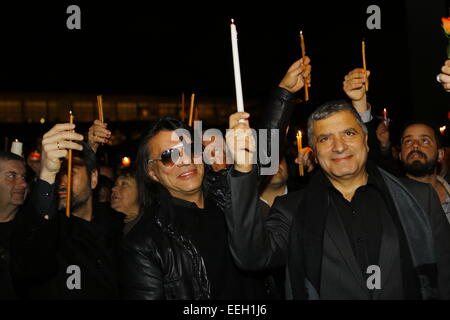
{"x": 179, "y": 249}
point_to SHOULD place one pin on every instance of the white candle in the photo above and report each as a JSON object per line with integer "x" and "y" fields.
{"x": 237, "y": 70}
{"x": 17, "y": 148}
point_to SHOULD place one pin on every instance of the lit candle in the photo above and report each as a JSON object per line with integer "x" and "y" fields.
{"x": 17, "y": 148}
{"x": 69, "y": 173}
{"x": 126, "y": 161}
{"x": 385, "y": 117}
{"x": 237, "y": 70}
{"x": 442, "y": 129}
{"x": 299, "y": 147}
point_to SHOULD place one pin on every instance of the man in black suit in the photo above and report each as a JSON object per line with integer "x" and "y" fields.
{"x": 353, "y": 232}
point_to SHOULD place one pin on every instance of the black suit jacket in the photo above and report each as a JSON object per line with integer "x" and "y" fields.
{"x": 257, "y": 245}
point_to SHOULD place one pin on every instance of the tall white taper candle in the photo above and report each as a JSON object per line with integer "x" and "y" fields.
{"x": 237, "y": 70}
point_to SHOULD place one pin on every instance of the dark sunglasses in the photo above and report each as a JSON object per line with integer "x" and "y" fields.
{"x": 171, "y": 156}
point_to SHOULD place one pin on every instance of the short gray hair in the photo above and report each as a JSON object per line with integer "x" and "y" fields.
{"x": 326, "y": 110}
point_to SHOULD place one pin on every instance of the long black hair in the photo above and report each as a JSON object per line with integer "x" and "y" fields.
{"x": 148, "y": 188}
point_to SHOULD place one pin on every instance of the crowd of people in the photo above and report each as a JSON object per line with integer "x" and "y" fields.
{"x": 370, "y": 219}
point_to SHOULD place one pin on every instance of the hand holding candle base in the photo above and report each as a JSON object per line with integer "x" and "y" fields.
{"x": 97, "y": 134}
{"x": 241, "y": 142}
{"x": 60, "y": 135}
{"x": 293, "y": 80}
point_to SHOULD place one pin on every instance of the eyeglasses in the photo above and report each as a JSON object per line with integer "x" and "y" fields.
{"x": 171, "y": 156}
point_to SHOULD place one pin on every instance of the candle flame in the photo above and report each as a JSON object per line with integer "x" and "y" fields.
{"x": 16, "y": 140}
{"x": 126, "y": 161}
{"x": 442, "y": 129}
{"x": 301, "y": 32}
{"x": 299, "y": 133}
{"x": 232, "y": 20}
{"x": 384, "y": 110}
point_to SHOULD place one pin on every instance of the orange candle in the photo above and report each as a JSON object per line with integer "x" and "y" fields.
{"x": 69, "y": 174}
{"x": 299, "y": 147}
{"x": 364, "y": 64}
{"x": 302, "y": 45}
{"x": 100, "y": 107}
{"x": 191, "y": 110}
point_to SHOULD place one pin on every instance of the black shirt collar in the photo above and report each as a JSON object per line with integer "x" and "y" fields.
{"x": 373, "y": 179}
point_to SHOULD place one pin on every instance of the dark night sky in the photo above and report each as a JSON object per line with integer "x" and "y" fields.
{"x": 163, "y": 49}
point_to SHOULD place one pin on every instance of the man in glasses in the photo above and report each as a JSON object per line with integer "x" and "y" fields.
{"x": 179, "y": 249}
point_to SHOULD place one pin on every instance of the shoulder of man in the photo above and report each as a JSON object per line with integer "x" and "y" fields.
{"x": 289, "y": 202}
{"x": 417, "y": 188}
{"x": 145, "y": 233}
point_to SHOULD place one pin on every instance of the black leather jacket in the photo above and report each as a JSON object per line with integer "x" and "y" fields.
{"x": 160, "y": 263}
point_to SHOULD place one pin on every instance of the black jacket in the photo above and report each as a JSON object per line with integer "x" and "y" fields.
{"x": 160, "y": 263}
{"x": 295, "y": 229}
{"x": 47, "y": 253}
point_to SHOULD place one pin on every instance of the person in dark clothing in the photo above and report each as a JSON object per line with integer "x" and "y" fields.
{"x": 353, "y": 232}
{"x": 72, "y": 257}
{"x": 179, "y": 249}
{"x": 13, "y": 191}
{"x": 124, "y": 197}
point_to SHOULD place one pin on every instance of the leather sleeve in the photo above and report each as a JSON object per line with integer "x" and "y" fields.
{"x": 141, "y": 276}
{"x": 254, "y": 243}
{"x": 277, "y": 113}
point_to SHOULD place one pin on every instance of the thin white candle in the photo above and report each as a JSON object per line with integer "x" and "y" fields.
{"x": 237, "y": 70}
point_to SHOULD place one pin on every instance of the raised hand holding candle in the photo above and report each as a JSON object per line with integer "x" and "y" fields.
{"x": 17, "y": 148}
{"x": 237, "y": 70}
{"x": 299, "y": 148}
